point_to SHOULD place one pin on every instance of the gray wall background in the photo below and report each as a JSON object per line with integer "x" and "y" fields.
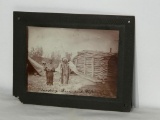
{"x": 147, "y": 40}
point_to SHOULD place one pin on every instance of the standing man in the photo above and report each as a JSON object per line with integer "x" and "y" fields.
{"x": 64, "y": 71}
{"x": 49, "y": 68}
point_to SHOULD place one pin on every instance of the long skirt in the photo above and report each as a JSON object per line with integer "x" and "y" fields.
{"x": 64, "y": 79}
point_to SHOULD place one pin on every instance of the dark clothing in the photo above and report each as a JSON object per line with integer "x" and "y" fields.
{"x": 49, "y": 74}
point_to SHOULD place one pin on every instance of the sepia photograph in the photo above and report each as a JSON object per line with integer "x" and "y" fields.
{"x": 69, "y": 61}
{"x": 74, "y": 60}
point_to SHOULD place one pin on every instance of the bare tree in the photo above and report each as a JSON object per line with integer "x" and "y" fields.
{"x": 68, "y": 56}
{"x": 56, "y": 57}
{"x": 36, "y": 54}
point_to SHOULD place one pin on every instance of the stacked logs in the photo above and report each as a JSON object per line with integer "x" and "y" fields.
{"x": 93, "y": 63}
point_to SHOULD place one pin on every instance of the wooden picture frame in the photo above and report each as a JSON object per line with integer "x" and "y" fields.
{"x": 87, "y": 36}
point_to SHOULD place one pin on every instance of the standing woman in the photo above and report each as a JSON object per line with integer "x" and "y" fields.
{"x": 49, "y": 73}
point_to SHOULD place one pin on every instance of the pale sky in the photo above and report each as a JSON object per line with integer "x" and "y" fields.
{"x": 72, "y": 40}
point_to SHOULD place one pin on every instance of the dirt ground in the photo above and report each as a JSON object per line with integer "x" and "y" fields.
{"x": 76, "y": 86}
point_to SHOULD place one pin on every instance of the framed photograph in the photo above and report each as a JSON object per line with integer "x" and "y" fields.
{"x": 74, "y": 60}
